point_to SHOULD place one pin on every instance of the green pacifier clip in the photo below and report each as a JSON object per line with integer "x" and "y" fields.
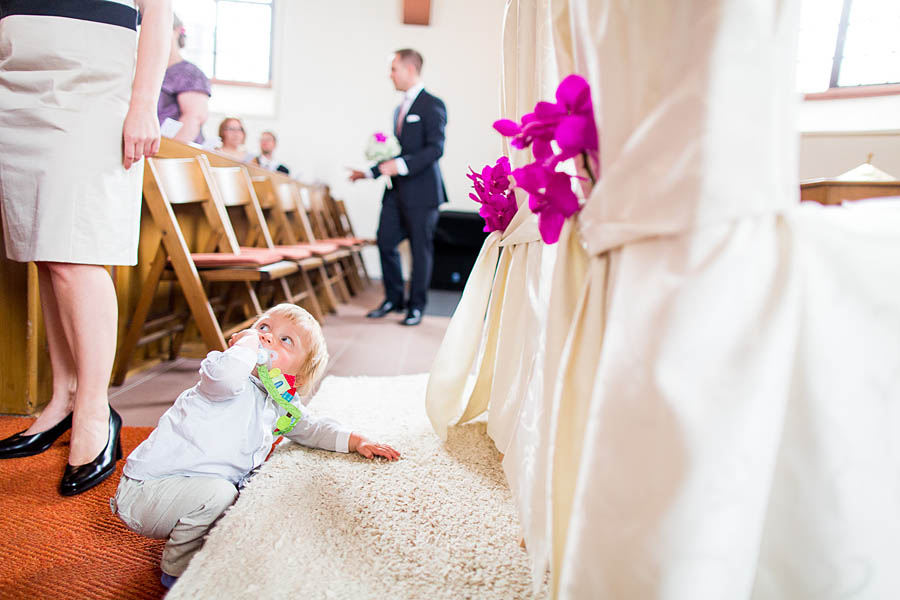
{"x": 272, "y": 381}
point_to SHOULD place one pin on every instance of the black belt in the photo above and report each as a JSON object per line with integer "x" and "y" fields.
{"x": 98, "y": 11}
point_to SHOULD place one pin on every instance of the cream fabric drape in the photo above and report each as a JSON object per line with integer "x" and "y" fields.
{"x": 730, "y": 385}
{"x": 504, "y": 306}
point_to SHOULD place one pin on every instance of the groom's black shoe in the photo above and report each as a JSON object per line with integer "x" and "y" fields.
{"x": 386, "y": 307}
{"x": 413, "y": 317}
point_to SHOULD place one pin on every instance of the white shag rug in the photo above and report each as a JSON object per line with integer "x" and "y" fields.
{"x": 439, "y": 523}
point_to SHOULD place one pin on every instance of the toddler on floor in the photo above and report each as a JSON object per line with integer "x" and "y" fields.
{"x": 181, "y": 479}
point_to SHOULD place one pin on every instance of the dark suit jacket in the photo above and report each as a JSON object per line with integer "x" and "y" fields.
{"x": 421, "y": 145}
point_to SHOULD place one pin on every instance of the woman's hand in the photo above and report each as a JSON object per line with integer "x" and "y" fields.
{"x": 369, "y": 449}
{"x": 140, "y": 135}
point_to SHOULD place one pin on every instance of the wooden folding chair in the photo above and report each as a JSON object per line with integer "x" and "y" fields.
{"x": 253, "y": 230}
{"x": 340, "y": 218}
{"x": 325, "y": 230}
{"x": 297, "y": 227}
{"x": 279, "y": 206}
{"x": 344, "y": 230}
{"x": 209, "y": 256}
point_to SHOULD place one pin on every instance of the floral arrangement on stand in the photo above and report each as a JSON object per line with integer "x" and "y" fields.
{"x": 382, "y": 147}
{"x": 555, "y": 131}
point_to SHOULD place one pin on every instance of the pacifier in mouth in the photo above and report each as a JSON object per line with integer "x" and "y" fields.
{"x": 265, "y": 357}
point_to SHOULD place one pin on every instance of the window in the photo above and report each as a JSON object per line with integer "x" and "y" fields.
{"x": 848, "y": 43}
{"x": 230, "y": 40}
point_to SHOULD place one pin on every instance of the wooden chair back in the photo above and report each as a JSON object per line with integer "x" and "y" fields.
{"x": 294, "y": 200}
{"x": 176, "y": 182}
{"x": 334, "y": 214}
{"x": 237, "y": 191}
{"x": 274, "y": 209}
{"x": 175, "y": 185}
{"x": 312, "y": 201}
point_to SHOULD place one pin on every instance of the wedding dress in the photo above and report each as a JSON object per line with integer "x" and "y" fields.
{"x": 736, "y": 433}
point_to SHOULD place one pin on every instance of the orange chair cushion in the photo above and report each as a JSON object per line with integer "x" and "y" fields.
{"x": 344, "y": 242}
{"x": 298, "y": 252}
{"x": 249, "y": 257}
{"x": 319, "y": 248}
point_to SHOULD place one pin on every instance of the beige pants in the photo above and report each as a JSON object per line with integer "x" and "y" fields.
{"x": 182, "y": 509}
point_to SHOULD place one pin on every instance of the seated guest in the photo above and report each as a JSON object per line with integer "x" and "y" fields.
{"x": 232, "y": 134}
{"x": 185, "y": 92}
{"x": 267, "y": 143}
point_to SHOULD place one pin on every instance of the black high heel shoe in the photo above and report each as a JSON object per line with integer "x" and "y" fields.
{"x": 81, "y": 478}
{"x": 18, "y": 445}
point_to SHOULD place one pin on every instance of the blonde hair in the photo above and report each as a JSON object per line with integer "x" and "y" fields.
{"x": 313, "y": 366}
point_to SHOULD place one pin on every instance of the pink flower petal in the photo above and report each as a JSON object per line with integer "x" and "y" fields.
{"x": 562, "y": 198}
{"x": 542, "y": 149}
{"x": 548, "y": 111}
{"x": 577, "y": 133}
{"x": 531, "y": 178}
{"x": 573, "y": 92}
{"x": 507, "y": 128}
{"x": 550, "y": 224}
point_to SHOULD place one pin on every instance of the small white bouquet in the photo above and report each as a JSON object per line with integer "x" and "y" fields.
{"x": 381, "y": 147}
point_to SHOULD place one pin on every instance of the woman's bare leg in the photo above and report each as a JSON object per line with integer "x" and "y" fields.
{"x": 63, "y": 398}
{"x": 88, "y": 312}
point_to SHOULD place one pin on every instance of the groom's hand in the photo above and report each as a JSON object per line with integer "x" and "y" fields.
{"x": 355, "y": 175}
{"x": 388, "y": 167}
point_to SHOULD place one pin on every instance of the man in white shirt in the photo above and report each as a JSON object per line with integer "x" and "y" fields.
{"x": 266, "y": 158}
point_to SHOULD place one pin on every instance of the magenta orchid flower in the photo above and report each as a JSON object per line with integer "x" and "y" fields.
{"x": 577, "y": 131}
{"x": 550, "y": 197}
{"x": 380, "y": 137}
{"x": 569, "y": 123}
{"x": 494, "y": 192}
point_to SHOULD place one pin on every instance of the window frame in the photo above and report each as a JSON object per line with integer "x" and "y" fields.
{"x": 250, "y": 84}
{"x": 836, "y": 91}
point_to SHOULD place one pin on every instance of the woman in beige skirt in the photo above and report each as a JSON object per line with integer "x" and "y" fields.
{"x": 77, "y": 115}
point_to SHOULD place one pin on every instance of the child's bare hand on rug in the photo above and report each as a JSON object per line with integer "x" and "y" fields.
{"x": 369, "y": 449}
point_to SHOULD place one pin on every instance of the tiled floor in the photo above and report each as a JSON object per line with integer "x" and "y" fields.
{"x": 358, "y": 346}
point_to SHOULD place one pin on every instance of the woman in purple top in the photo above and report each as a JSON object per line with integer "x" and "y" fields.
{"x": 185, "y": 92}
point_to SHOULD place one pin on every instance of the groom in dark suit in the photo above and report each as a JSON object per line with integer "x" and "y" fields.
{"x": 410, "y": 208}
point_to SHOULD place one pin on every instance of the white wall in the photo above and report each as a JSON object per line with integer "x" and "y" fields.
{"x": 837, "y": 135}
{"x": 332, "y": 90}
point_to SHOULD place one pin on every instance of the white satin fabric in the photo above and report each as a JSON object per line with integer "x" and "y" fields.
{"x": 502, "y": 318}
{"x": 730, "y": 385}
{"x": 499, "y": 324}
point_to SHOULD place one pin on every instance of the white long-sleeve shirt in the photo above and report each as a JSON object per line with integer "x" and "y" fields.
{"x": 223, "y": 426}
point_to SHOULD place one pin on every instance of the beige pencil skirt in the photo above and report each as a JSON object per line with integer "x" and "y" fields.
{"x": 65, "y": 85}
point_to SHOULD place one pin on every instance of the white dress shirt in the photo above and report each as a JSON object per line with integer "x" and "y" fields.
{"x": 409, "y": 96}
{"x": 223, "y": 426}
{"x": 270, "y": 163}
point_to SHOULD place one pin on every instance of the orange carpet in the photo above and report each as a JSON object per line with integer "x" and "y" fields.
{"x": 57, "y": 547}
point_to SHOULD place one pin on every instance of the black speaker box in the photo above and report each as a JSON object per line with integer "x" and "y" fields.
{"x": 457, "y": 242}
